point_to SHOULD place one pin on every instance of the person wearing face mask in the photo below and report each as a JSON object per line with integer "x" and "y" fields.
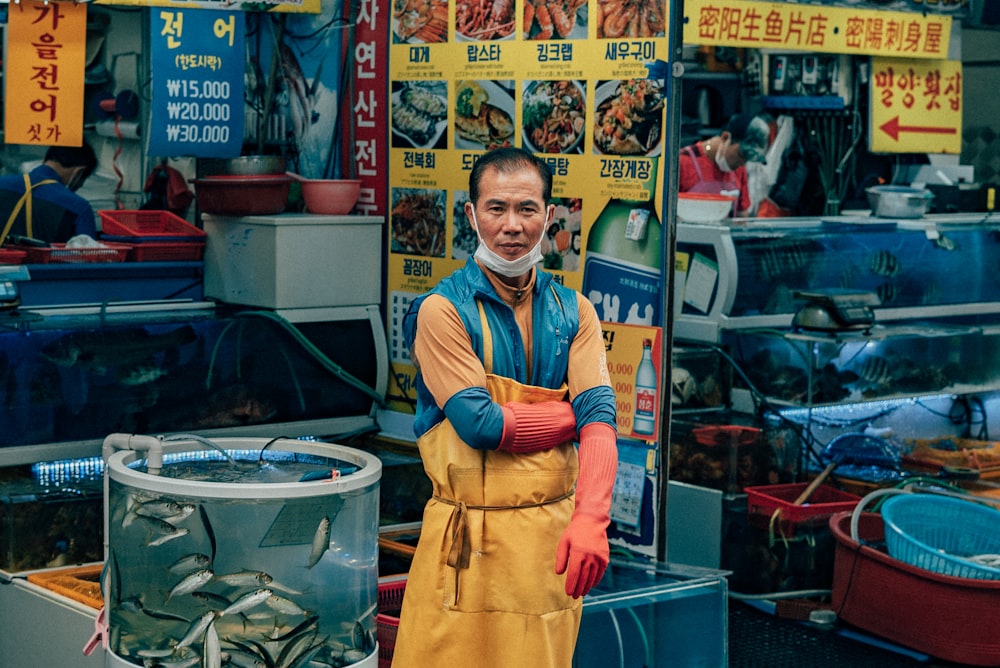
{"x": 511, "y": 372}
{"x": 718, "y": 165}
{"x": 43, "y": 203}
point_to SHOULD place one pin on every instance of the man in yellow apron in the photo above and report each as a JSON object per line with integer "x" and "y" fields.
{"x": 511, "y": 370}
{"x": 43, "y": 204}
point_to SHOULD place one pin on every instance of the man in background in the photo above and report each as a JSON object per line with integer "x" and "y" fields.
{"x": 718, "y": 165}
{"x": 43, "y": 203}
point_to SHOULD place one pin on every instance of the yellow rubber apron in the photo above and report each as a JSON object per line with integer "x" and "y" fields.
{"x": 482, "y": 590}
{"x": 25, "y": 203}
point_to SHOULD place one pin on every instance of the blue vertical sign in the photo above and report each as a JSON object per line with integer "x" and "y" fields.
{"x": 197, "y": 66}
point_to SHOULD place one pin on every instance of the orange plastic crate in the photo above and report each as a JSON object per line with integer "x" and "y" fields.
{"x": 390, "y": 600}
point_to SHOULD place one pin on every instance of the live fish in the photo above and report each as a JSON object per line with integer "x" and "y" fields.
{"x": 179, "y": 663}
{"x": 284, "y": 606}
{"x": 211, "y": 650}
{"x": 302, "y": 627}
{"x": 885, "y": 263}
{"x": 197, "y": 629}
{"x": 103, "y": 350}
{"x": 296, "y": 649}
{"x": 190, "y": 562}
{"x": 247, "y": 601}
{"x": 245, "y": 579}
{"x": 320, "y": 542}
{"x": 876, "y": 370}
{"x": 160, "y": 531}
{"x": 242, "y": 659}
{"x": 191, "y": 583}
{"x": 169, "y": 511}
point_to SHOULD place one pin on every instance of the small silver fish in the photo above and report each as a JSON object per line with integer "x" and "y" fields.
{"x": 211, "y": 651}
{"x": 284, "y": 606}
{"x": 191, "y": 583}
{"x": 247, "y": 601}
{"x": 178, "y": 532}
{"x": 885, "y": 263}
{"x": 197, "y": 629}
{"x": 188, "y": 662}
{"x": 168, "y": 511}
{"x": 190, "y": 562}
{"x": 241, "y": 659}
{"x": 320, "y": 542}
{"x": 245, "y": 579}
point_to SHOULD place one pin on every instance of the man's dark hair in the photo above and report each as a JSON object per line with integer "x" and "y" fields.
{"x": 509, "y": 159}
{"x": 74, "y": 156}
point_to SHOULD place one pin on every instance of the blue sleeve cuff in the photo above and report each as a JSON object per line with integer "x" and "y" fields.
{"x": 595, "y": 405}
{"x": 477, "y": 419}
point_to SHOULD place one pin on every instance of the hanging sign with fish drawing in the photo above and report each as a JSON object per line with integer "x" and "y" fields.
{"x": 197, "y": 63}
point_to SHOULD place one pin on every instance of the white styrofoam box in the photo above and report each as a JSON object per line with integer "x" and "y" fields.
{"x": 294, "y": 260}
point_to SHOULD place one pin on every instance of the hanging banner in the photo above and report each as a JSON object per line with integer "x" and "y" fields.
{"x": 46, "y": 49}
{"x": 916, "y": 106}
{"x": 583, "y": 88}
{"x": 197, "y": 67}
{"x": 368, "y": 144}
{"x": 303, "y": 6}
{"x": 821, "y": 28}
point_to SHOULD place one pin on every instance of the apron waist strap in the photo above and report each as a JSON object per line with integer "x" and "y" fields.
{"x": 461, "y": 546}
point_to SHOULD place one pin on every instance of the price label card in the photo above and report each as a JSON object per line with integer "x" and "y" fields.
{"x": 197, "y": 62}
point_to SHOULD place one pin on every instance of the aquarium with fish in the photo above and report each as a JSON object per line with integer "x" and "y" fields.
{"x": 240, "y": 551}
{"x": 70, "y": 376}
{"x": 753, "y": 274}
{"x": 51, "y": 514}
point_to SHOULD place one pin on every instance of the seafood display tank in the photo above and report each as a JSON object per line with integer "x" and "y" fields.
{"x": 254, "y": 551}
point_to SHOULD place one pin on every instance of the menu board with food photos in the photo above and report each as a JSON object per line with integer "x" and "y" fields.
{"x": 577, "y": 82}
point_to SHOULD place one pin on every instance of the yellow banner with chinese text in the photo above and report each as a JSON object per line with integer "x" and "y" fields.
{"x": 43, "y": 103}
{"x": 847, "y": 30}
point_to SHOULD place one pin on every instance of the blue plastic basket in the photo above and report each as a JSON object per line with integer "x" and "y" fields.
{"x": 940, "y": 534}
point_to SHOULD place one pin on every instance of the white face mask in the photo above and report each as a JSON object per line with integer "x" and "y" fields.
{"x": 720, "y": 158}
{"x": 503, "y": 266}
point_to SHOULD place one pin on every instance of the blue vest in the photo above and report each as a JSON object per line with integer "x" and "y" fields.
{"x": 555, "y": 322}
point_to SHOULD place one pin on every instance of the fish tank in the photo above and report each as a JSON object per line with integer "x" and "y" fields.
{"x": 70, "y": 376}
{"x": 749, "y": 274}
{"x": 254, "y": 551}
{"x": 51, "y": 514}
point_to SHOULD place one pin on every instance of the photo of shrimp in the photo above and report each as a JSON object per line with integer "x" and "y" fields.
{"x": 631, "y": 18}
{"x": 419, "y": 21}
{"x": 555, "y": 19}
{"x": 481, "y": 20}
{"x": 418, "y": 221}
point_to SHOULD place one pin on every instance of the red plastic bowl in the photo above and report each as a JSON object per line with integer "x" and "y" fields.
{"x": 242, "y": 195}
{"x": 330, "y": 196}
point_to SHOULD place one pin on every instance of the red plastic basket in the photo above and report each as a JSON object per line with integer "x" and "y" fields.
{"x": 148, "y": 226}
{"x": 12, "y": 256}
{"x": 59, "y": 253}
{"x": 167, "y": 252}
{"x": 390, "y": 600}
{"x": 948, "y": 617}
{"x": 764, "y": 501}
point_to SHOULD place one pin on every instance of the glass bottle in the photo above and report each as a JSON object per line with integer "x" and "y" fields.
{"x": 644, "y": 419}
{"x": 622, "y": 270}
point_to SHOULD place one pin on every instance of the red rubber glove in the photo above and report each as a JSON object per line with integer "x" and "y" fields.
{"x": 583, "y": 551}
{"x": 534, "y": 427}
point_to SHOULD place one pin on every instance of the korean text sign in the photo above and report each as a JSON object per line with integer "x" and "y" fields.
{"x": 45, "y": 61}
{"x": 197, "y": 62}
{"x": 822, "y": 28}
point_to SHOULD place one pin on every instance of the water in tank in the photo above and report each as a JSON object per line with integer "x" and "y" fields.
{"x": 240, "y": 551}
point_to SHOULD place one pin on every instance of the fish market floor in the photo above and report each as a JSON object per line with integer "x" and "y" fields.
{"x": 758, "y": 639}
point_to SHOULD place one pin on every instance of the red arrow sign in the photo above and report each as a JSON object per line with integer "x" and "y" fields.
{"x": 893, "y": 128}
